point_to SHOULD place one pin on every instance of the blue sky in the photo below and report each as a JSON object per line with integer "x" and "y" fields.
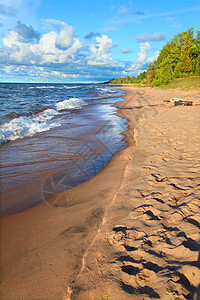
{"x": 87, "y": 40}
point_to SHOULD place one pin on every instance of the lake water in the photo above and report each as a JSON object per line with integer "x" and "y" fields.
{"x": 54, "y": 137}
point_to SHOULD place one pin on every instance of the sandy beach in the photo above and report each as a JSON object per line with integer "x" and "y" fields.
{"x": 132, "y": 231}
{"x": 147, "y": 246}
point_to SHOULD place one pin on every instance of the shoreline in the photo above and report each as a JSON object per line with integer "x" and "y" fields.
{"x": 93, "y": 249}
{"x": 148, "y": 243}
{"x": 66, "y": 150}
{"x": 42, "y": 248}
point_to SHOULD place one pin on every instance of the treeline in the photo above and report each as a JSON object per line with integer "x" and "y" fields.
{"x": 180, "y": 57}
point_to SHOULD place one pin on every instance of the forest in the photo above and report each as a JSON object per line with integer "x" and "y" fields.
{"x": 179, "y": 58}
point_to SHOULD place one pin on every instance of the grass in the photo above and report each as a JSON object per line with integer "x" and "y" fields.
{"x": 188, "y": 83}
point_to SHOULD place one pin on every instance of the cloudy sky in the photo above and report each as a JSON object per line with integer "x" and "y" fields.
{"x": 87, "y": 40}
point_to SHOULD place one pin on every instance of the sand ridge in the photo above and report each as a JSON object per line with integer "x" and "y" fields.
{"x": 148, "y": 244}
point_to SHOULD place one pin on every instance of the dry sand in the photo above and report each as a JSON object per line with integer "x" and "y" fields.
{"x": 147, "y": 246}
{"x": 131, "y": 232}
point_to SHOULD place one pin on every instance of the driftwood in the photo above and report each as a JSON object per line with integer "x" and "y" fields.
{"x": 183, "y": 102}
{"x": 178, "y": 101}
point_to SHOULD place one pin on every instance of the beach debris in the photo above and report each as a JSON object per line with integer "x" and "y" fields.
{"x": 178, "y": 101}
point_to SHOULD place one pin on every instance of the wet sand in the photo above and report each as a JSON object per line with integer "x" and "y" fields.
{"x": 147, "y": 246}
{"x": 42, "y": 249}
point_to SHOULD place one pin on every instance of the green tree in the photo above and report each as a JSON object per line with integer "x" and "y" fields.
{"x": 151, "y": 73}
{"x": 178, "y": 58}
{"x": 184, "y": 65}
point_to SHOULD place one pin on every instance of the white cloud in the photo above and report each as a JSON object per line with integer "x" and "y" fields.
{"x": 156, "y": 36}
{"x": 126, "y": 50}
{"x": 91, "y": 35}
{"x": 141, "y": 57}
{"x": 65, "y": 39}
{"x": 58, "y": 52}
{"x": 142, "y": 61}
{"x": 55, "y": 24}
{"x": 26, "y": 33}
{"x": 99, "y": 52}
{"x": 55, "y": 48}
{"x": 153, "y": 57}
{"x": 52, "y": 48}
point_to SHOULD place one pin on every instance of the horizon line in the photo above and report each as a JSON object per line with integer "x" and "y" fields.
{"x": 42, "y": 82}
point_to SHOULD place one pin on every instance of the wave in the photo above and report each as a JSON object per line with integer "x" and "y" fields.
{"x": 107, "y": 90}
{"x": 72, "y": 103}
{"x": 42, "y": 87}
{"x": 28, "y": 126}
{"x": 71, "y": 87}
{"x": 54, "y": 87}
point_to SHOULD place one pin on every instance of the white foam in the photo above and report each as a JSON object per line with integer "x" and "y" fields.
{"x": 72, "y": 103}
{"x": 102, "y": 89}
{"x": 46, "y": 87}
{"x": 71, "y": 87}
{"x": 54, "y": 87}
{"x": 42, "y": 87}
{"x": 46, "y": 115}
{"x": 27, "y": 126}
